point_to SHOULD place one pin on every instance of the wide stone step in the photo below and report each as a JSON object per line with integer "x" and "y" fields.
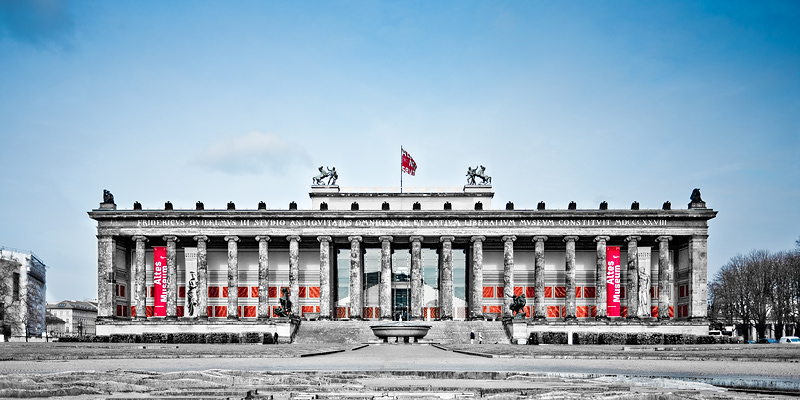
{"x": 354, "y": 332}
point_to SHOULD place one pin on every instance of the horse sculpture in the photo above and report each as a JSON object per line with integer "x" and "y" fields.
{"x": 285, "y": 308}
{"x": 478, "y": 172}
{"x": 330, "y": 174}
{"x": 518, "y": 306}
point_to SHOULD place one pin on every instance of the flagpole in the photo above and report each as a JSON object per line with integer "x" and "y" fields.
{"x": 401, "y": 168}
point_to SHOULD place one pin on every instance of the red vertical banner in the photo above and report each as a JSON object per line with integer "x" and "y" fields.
{"x": 160, "y": 281}
{"x": 612, "y": 281}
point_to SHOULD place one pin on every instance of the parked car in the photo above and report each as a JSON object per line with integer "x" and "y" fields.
{"x": 715, "y": 333}
{"x": 790, "y": 340}
{"x": 767, "y": 340}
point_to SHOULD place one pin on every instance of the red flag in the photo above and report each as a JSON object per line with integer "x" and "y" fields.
{"x": 407, "y": 163}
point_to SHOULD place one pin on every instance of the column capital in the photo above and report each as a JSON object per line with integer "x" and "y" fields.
{"x": 413, "y": 239}
{"x": 229, "y": 238}
{"x": 263, "y": 238}
{"x": 570, "y": 238}
{"x": 633, "y": 238}
{"x": 663, "y": 238}
{"x": 540, "y": 238}
{"x": 139, "y": 238}
{"x": 323, "y": 239}
{"x": 170, "y": 238}
{"x": 509, "y": 237}
{"x": 385, "y": 239}
{"x": 602, "y": 238}
{"x": 293, "y": 238}
{"x": 200, "y": 238}
{"x": 447, "y": 238}
{"x": 352, "y": 239}
{"x": 477, "y": 238}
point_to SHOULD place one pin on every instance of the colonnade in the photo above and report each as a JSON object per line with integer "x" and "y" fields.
{"x": 638, "y": 285}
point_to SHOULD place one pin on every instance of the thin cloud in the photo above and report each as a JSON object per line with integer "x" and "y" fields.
{"x": 254, "y": 152}
{"x": 43, "y": 24}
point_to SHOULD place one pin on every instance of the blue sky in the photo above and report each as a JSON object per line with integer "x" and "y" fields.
{"x": 561, "y": 101}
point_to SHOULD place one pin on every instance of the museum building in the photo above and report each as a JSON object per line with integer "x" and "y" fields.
{"x": 439, "y": 255}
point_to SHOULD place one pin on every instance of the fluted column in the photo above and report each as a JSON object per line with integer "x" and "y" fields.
{"x": 571, "y": 310}
{"x": 106, "y": 253}
{"x": 356, "y": 287}
{"x": 263, "y": 277}
{"x": 139, "y": 281}
{"x": 476, "y": 291}
{"x": 233, "y": 276}
{"x": 416, "y": 278}
{"x": 664, "y": 276}
{"x": 294, "y": 273}
{"x": 632, "y": 284}
{"x": 446, "y": 279}
{"x": 385, "y": 289}
{"x": 698, "y": 270}
{"x": 508, "y": 274}
{"x": 172, "y": 277}
{"x": 324, "y": 277}
{"x": 202, "y": 276}
{"x": 539, "y": 310}
{"x": 601, "y": 268}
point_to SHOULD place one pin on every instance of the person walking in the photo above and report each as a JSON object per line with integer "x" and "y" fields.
{"x": 471, "y": 337}
{"x": 480, "y": 337}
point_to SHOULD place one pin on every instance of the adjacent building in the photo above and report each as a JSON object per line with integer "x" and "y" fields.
{"x": 434, "y": 255}
{"x": 22, "y": 294}
{"x": 79, "y": 317}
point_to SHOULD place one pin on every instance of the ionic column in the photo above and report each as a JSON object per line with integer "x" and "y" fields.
{"x": 324, "y": 277}
{"x": 446, "y": 279}
{"x": 664, "y": 276}
{"x": 416, "y": 278}
{"x": 106, "y": 253}
{"x": 539, "y": 312}
{"x": 600, "y": 278}
{"x": 632, "y": 285}
{"x": 385, "y": 294}
{"x": 571, "y": 311}
{"x": 172, "y": 277}
{"x": 698, "y": 270}
{"x": 294, "y": 273}
{"x": 356, "y": 287}
{"x": 139, "y": 281}
{"x": 263, "y": 277}
{"x": 508, "y": 274}
{"x": 476, "y": 291}
{"x": 233, "y": 276}
{"x": 202, "y": 276}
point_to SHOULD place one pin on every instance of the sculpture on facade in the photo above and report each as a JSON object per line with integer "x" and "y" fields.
{"x": 191, "y": 294}
{"x": 478, "y": 172}
{"x": 518, "y": 306}
{"x": 285, "y": 308}
{"x": 331, "y": 174}
{"x": 644, "y": 295}
{"x": 695, "y": 197}
{"x": 108, "y": 198}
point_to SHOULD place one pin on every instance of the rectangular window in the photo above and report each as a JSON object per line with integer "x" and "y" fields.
{"x": 16, "y": 285}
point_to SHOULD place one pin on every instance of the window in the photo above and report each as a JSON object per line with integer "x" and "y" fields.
{"x": 16, "y": 285}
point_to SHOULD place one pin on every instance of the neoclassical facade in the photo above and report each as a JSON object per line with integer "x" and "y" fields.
{"x": 410, "y": 256}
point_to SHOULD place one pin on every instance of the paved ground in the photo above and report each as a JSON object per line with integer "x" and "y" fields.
{"x": 535, "y": 370}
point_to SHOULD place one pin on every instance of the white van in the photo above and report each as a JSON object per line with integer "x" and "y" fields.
{"x": 790, "y": 340}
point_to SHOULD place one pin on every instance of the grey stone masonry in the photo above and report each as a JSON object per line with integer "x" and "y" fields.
{"x": 446, "y": 279}
{"x": 233, "y": 276}
{"x": 539, "y": 310}
{"x": 664, "y": 277}
{"x": 172, "y": 277}
{"x": 202, "y": 276}
{"x": 571, "y": 309}
{"x": 600, "y": 278}
{"x": 139, "y": 281}
{"x": 263, "y": 276}
{"x": 476, "y": 291}
{"x": 294, "y": 272}
{"x": 632, "y": 287}
{"x": 416, "y": 277}
{"x": 324, "y": 277}
{"x": 385, "y": 289}
{"x": 106, "y": 253}
{"x": 698, "y": 276}
{"x": 356, "y": 272}
{"x": 508, "y": 274}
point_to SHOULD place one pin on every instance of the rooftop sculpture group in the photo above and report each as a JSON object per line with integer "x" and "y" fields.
{"x": 330, "y": 174}
{"x": 478, "y": 172}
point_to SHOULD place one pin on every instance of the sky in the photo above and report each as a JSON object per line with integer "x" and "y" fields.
{"x": 562, "y": 101}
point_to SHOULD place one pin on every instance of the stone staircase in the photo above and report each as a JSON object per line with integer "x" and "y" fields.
{"x": 356, "y": 332}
